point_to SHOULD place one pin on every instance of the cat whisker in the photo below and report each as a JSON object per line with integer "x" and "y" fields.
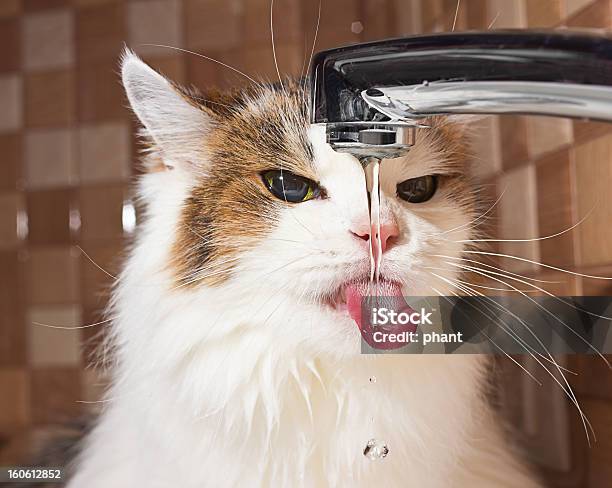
{"x": 554, "y": 268}
{"x": 456, "y": 15}
{"x": 95, "y": 264}
{"x": 314, "y": 41}
{"x": 186, "y": 51}
{"x": 487, "y": 274}
{"x": 76, "y": 327}
{"x": 273, "y": 45}
{"x": 551, "y": 236}
{"x": 566, "y": 389}
{"x": 483, "y": 215}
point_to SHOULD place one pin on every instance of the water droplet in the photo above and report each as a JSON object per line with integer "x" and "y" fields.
{"x": 375, "y": 449}
{"x": 372, "y": 379}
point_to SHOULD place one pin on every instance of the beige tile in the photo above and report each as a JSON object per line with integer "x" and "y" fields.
{"x": 50, "y": 346}
{"x": 593, "y": 169}
{"x": 104, "y": 153}
{"x": 485, "y": 145}
{"x": 14, "y": 399}
{"x": 49, "y": 158}
{"x": 545, "y": 134}
{"x": 573, "y": 6}
{"x": 11, "y": 116}
{"x": 48, "y": 40}
{"x": 52, "y": 274}
{"x": 154, "y": 22}
{"x": 213, "y": 24}
{"x": 504, "y": 14}
{"x": 10, "y": 205}
{"x": 518, "y": 218}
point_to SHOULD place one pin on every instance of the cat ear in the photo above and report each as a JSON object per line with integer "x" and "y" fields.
{"x": 176, "y": 124}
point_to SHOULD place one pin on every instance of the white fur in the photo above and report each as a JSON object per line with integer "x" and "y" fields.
{"x": 253, "y": 384}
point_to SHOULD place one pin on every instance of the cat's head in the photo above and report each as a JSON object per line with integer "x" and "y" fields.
{"x": 273, "y": 222}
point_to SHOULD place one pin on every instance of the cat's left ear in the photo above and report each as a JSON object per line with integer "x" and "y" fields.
{"x": 174, "y": 122}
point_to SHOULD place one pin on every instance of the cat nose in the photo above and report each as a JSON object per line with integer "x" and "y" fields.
{"x": 389, "y": 233}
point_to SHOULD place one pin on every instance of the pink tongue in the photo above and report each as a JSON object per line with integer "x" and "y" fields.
{"x": 388, "y": 292}
{"x": 385, "y": 294}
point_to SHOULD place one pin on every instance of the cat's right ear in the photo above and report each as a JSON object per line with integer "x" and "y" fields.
{"x": 175, "y": 123}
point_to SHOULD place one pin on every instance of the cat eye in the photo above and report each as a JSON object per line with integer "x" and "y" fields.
{"x": 418, "y": 190}
{"x": 287, "y": 186}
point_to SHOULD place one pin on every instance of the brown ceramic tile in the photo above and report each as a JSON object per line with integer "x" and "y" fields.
{"x": 12, "y": 319}
{"x": 49, "y": 98}
{"x": 10, "y": 8}
{"x": 11, "y": 203}
{"x": 378, "y": 19}
{"x": 10, "y": 46}
{"x": 212, "y": 24}
{"x": 55, "y": 394}
{"x": 34, "y": 5}
{"x": 101, "y": 33}
{"x": 476, "y": 14}
{"x": 172, "y": 67}
{"x": 96, "y": 284}
{"x": 100, "y": 95}
{"x": 599, "y": 414}
{"x": 154, "y": 22}
{"x": 93, "y": 3}
{"x": 14, "y": 399}
{"x": 203, "y": 73}
{"x": 49, "y": 216}
{"x": 574, "y": 6}
{"x": 11, "y": 116}
{"x": 513, "y": 135}
{"x": 407, "y": 18}
{"x": 93, "y": 337}
{"x": 95, "y": 385}
{"x": 593, "y": 169}
{"x": 448, "y": 19}
{"x": 554, "y": 205}
{"x": 259, "y": 63}
{"x": 257, "y": 20}
{"x": 335, "y": 25}
{"x": 503, "y": 14}
{"x": 52, "y": 274}
{"x": 104, "y": 152}
{"x": 543, "y": 13}
{"x": 10, "y": 169}
{"x": 101, "y": 212}
{"x": 594, "y": 287}
{"x": 485, "y": 145}
{"x": 518, "y": 218}
{"x": 584, "y": 131}
{"x": 48, "y": 40}
{"x": 52, "y": 346}
{"x": 49, "y": 158}
{"x": 545, "y": 134}
{"x": 596, "y": 15}
{"x": 431, "y": 11}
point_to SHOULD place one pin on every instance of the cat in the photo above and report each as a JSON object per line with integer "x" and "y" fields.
{"x": 236, "y": 359}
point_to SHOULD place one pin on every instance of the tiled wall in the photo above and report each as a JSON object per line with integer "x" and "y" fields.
{"x": 67, "y": 155}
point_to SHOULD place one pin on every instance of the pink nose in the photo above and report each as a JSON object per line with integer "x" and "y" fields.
{"x": 388, "y": 234}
